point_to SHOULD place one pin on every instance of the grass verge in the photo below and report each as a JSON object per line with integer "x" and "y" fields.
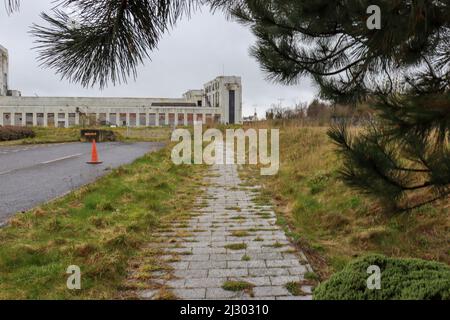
{"x": 331, "y": 222}
{"x": 62, "y": 135}
{"x": 99, "y": 228}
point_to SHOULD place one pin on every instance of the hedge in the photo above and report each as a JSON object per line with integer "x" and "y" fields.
{"x": 401, "y": 279}
{"x": 8, "y": 133}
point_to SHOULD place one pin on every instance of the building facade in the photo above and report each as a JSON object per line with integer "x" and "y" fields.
{"x": 219, "y": 102}
{"x": 225, "y": 93}
{"x": 4, "y": 72}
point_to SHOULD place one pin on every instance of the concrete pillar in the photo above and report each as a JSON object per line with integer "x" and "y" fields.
{"x": 108, "y": 117}
{"x": 34, "y": 119}
{"x": 46, "y": 119}
{"x": 24, "y": 119}
{"x": 77, "y": 119}
{"x": 66, "y": 120}
{"x": 185, "y": 119}
{"x": 128, "y": 119}
{"x": 147, "y": 119}
{"x": 1, "y": 118}
{"x": 157, "y": 118}
{"x": 167, "y": 119}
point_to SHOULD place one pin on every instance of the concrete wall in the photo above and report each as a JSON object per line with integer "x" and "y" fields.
{"x": 134, "y": 112}
{"x": 217, "y": 96}
{"x": 209, "y": 105}
{"x": 196, "y": 96}
{"x": 4, "y": 73}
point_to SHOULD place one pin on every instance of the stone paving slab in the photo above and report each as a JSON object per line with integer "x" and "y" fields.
{"x": 260, "y": 253}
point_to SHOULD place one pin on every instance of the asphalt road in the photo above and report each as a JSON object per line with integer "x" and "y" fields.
{"x": 31, "y": 175}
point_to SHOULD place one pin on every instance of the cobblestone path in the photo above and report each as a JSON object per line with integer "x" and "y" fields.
{"x": 235, "y": 242}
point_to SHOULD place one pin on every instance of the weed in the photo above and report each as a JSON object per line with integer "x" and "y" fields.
{"x": 236, "y": 246}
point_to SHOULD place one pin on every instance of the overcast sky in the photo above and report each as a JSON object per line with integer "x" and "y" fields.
{"x": 196, "y": 51}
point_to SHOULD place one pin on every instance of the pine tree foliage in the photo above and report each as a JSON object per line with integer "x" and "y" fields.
{"x": 94, "y": 42}
{"x": 104, "y": 40}
{"x": 12, "y": 5}
{"x": 402, "y": 156}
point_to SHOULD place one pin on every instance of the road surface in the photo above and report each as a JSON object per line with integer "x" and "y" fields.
{"x": 31, "y": 175}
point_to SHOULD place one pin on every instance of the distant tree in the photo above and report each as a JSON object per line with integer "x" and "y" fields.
{"x": 296, "y": 112}
{"x": 402, "y": 70}
{"x": 317, "y": 109}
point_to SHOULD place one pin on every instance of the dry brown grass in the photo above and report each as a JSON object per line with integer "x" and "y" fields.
{"x": 334, "y": 223}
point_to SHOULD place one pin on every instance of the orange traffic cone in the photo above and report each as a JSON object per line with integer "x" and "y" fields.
{"x": 94, "y": 158}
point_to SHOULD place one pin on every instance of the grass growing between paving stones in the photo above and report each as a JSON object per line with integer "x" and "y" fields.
{"x": 238, "y": 286}
{"x": 240, "y": 233}
{"x": 295, "y": 288}
{"x": 101, "y": 228}
{"x": 332, "y": 222}
{"x": 246, "y": 258}
{"x": 236, "y": 246}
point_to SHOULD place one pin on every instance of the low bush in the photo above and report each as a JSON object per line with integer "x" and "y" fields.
{"x": 401, "y": 279}
{"x": 9, "y": 133}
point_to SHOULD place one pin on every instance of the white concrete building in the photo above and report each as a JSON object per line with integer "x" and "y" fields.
{"x": 219, "y": 102}
{"x": 225, "y": 93}
{"x": 3, "y": 71}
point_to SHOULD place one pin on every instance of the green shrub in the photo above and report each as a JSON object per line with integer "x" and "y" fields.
{"x": 401, "y": 279}
{"x": 9, "y": 133}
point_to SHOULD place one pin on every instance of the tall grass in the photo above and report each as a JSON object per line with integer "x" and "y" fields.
{"x": 334, "y": 223}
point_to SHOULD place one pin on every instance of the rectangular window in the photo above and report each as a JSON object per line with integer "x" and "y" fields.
{"x": 50, "y": 119}
{"x": 209, "y": 119}
{"x": 40, "y": 119}
{"x": 123, "y": 119}
{"x": 232, "y": 107}
{"x": 18, "y": 119}
{"x": 171, "y": 119}
{"x": 199, "y": 118}
{"x": 132, "y": 119}
{"x": 7, "y": 119}
{"x": 162, "y": 119}
{"x": 102, "y": 119}
{"x": 217, "y": 118}
{"x": 152, "y": 119}
{"x": 190, "y": 119}
{"x": 142, "y": 120}
{"x": 29, "y": 119}
{"x": 113, "y": 118}
{"x": 181, "y": 119}
{"x": 92, "y": 119}
{"x": 72, "y": 119}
